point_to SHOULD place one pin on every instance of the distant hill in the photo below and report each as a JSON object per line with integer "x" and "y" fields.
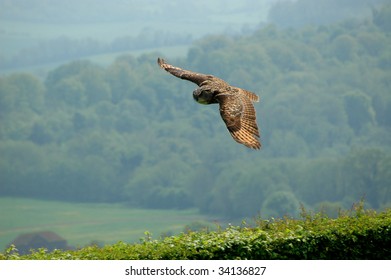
{"x": 321, "y": 12}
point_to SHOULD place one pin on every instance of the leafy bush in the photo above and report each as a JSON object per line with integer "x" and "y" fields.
{"x": 359, "y": 234}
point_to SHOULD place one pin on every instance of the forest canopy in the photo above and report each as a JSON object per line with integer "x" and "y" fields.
{"x": 131, "y": 133}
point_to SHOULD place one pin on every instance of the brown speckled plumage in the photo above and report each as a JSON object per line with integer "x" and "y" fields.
{"x": 236, "y": 108}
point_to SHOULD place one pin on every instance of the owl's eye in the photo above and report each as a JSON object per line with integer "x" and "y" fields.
{"x": 197, "y": 92}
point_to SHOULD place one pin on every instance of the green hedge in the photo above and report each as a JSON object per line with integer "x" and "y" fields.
{"x": 364, "y": 235}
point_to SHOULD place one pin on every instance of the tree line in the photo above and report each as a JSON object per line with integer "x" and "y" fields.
{"x": 300, "y": 13}
{"x": 64, "y": 48}
{"x": 131, "y": 133}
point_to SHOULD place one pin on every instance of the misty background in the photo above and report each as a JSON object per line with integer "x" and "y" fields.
{"x": 92, "y": 131}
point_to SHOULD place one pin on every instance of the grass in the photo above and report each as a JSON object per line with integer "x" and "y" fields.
{"x": 81, "y": 223}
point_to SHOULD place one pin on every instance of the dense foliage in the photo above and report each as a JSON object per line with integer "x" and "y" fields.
{"x": 363, "y": 235}
{"x": 132, "y": 133}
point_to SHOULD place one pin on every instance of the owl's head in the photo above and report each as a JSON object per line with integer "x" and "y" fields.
{"x": 204, "y": 95}
{"x": 201, "y": 97}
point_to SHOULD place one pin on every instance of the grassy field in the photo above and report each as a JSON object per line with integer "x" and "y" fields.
{"x": 104, "y": 60}
{"x": 82, "y": 223}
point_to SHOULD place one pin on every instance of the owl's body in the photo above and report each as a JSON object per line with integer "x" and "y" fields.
{"x": 236, "y": 108}
{"x": 206, "y": 93}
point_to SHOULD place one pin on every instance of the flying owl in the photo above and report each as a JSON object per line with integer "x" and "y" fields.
{"x": 236, "y": 108}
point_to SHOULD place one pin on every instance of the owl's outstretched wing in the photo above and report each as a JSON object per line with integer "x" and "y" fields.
{"x": 194, "y": 77}
{"x": 236, "y": 108}
{"x": 238, "y": 113}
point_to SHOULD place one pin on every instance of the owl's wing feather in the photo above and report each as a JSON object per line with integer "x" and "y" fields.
{"x": 194, "y": 77}
{"x": 252, "y": 96}
{"x": 238, "y": 113}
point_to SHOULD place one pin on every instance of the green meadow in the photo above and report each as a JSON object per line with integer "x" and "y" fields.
{"x": 82, "y": 223}
{"x": 104, "y": 59}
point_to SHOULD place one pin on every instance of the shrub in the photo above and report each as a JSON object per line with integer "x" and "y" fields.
{"x": 358, "y": 234}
